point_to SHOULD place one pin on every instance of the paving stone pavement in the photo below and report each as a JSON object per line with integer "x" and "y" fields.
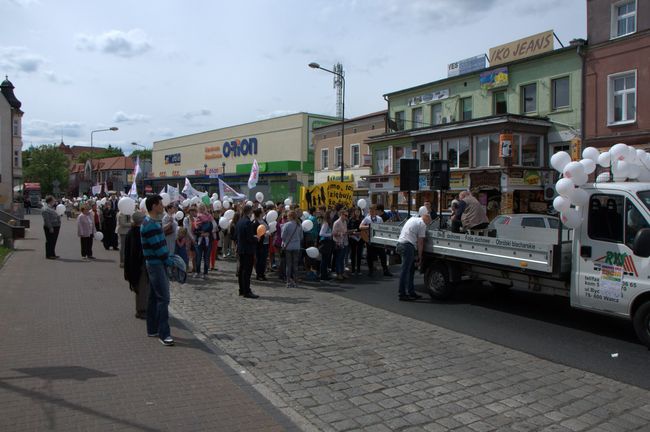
{"x": 334, "y": 364}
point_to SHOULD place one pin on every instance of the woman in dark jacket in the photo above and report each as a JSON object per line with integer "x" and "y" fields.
{"x": 134, "y": 270}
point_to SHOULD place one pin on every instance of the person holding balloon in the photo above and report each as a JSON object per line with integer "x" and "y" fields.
{"x": 86, "y": 230}
{"x": 262, "y": 251}
{"x": 51, "y": 226}
{"x": 292, "y": 234}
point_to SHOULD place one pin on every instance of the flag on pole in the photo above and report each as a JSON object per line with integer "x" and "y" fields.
{"x": 133, "y": 193}
{"x": 189, "y": 190}
{"x": 255, "y": 174}
{"x": 136, "y": 170}
{"x": 226, "y": 191}
{"x": 173, "y": 193}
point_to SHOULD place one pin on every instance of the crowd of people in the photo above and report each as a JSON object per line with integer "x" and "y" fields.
{"x": 198, "y": 234}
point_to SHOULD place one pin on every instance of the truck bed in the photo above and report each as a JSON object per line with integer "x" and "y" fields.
{"x": 524, "y": 256}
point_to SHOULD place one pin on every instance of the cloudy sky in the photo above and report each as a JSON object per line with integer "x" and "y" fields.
{"x": 163, "y": 68}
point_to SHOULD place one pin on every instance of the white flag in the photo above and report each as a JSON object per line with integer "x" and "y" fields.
{"x": 173, "y": 193}
{"x": 133, "y": 193}
{"x": 136, "y": 170}
{"x": 226, "y": 191}
{"x": 255, "y": 174}
{"x": 188, "y": 190}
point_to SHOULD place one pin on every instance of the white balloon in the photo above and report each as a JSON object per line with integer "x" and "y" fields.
{"x": 422, "y": 211}
{"x": 269, "y": 203}
{"x": 620, "y": 169}
{"x": 99, "y": 236}
{"x": 312, "y": 252}
{"x": 559, "y": 160}
{"x": 215, "y": 196}
{"x": 589, "y": 165}
{"x": 273, "y": 226}
{"x": 634, "y": 171}
{"x": 216, "y": 205}
{"x": 591, "y": 153}
{"x": 579, "y": 197}
{"x": 561, "y": 203}
{"x": 272, "y": 216}
{"x": 185, "y": 203}
{"x": 224, "y": 222}
{"x": 287, "y": 207}
{"x": 287, "y": 201}
{"x": 640, "y": 155}
{"x": 580, "y": 179}
{"x": 126, "y": 206}
{"x": 143, "y": 205}
{"x": 195, "y": 200}
{"x": 571, "y": 218}
{"x": 603, "y": 177}
{"x": 631, "y": 155}
{"x": 179, "y": 215}
{"x": 229, "y": 214}
{"x": 604, "y": 160}
{"x": 564, "y": 187}
{"x": 573, "y": 169}
{"x": 60, "y": 209}
{"x": 305, "y": 215}
{"x": 618, "y": 151}
{"x": 644, "y": 175}
{"x": 259, "y": 197}
{"x": 165, "y": 199}
{"x": 249, "y": 203}
{"x": 362, "y": 203}
{"x": 226, "y": 204}
{"x": 307, "y": 225}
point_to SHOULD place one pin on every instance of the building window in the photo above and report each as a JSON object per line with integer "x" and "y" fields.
{"x": 355, "y": 155}
{"x": 500, "y": 103}
{"x": 486, "y": 150}
{"x": 436, "y": 114}
{"x": 466, "y": 108}
{"x": 324, "y": 159}
{"x": 399, "y": 120}
{"x": 418, "y": 119}
{"x": 16, "y": 125}
{"x": 529, "y": 98}
{"x": 530, "y": 150}
{"x": 458, "y": 152}
{"x": 621, "y": 101}
{"x": 16, "y": 158}
{"x": 623, "y": 18}
{"x": 338, "y": 156}
{"x": 560, "y": 93}
{"x": 382, "y": 162}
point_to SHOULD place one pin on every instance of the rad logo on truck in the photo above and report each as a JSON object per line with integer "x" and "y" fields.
{"x": 619, "y": 259}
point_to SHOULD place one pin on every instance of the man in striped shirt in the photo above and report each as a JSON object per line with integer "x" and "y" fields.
{"x": 156, "y": 255}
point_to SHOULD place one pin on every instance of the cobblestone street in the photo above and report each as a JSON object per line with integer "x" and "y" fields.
{"x": 334, "y": 364}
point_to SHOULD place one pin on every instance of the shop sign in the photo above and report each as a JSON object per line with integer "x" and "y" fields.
{"x": 429, "y": 97}
{"x": 489, "y": 179}
{"x": 230, "y": 149}
{"x": 162, "y": 174}
{"x": 213, "y": 173}
{"x": 494, "y": 78}
{"x": 346, "y": 177}
{"x": 466, "y": 65}
{"x": 458, "y": 180}
{"x": 525, "y": 178}
{"x": 172, "y": 159}
{"x": 522, "y": 48}
{"x": 422, "y": 182}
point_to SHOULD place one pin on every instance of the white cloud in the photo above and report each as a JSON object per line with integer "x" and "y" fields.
{"x": 39, "y": 132}
{"x": 276, "y": 113}
{"x": 19, "y": 59}
{"x": 25, "y": 3}
{"x": 198, "y": 113}
{"x": 122, "y": 117}
{"x": 53, "y": 77}
{"x": 161, "y": 133}
{"x": 123, "y": 44}
{"x": 431, "y": 15}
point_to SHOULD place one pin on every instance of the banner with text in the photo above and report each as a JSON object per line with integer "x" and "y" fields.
{"x": 329, "y": 193}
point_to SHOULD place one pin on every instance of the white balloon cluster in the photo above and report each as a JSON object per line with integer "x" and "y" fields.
{"x": 625, "y": 161}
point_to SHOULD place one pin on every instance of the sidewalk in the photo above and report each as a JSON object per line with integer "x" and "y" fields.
{"x": 342, "y": 365}
{"x": 74, "y": 358}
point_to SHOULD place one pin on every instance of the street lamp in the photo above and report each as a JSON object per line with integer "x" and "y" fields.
{"x": 141, "y": 170}
{"x": 223, "y": 170}
{"x": 314, "y": 65}
{"x": 112, "y": 129}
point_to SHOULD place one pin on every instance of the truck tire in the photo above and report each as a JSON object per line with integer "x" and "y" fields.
{"x": 641, "y": 322}
{"x": 436, "y": 281}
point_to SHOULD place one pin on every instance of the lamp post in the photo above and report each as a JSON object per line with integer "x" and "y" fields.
{"x": 141, "y": 170}
{"x": 223, "y": 170}
{"x": 340, "y": 75}
{"x": 112, "y": 129}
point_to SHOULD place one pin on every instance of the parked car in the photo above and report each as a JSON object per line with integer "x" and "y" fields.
{"x": 527, "y": 226}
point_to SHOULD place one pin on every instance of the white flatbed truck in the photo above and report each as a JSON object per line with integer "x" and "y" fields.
{"x": 602, "y": 266}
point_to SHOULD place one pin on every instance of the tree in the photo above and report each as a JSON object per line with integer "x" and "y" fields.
{"x": 109, "y": 151}
{"x": 44, "y": 165}
{"x": 145, "y": 154}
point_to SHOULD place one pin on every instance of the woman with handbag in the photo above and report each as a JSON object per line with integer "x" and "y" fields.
{"x": 291, "y": 241}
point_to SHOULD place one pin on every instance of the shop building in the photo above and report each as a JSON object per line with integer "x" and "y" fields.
{"x": 617, "y": 73}
{"x": 282, "y": 146}
{"x": 11, "y": 144}
{"x": 356, "y": 152}
{"x": 497, "y": 127}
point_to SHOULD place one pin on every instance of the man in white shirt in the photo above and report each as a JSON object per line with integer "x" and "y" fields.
{"x": 411, "y": 238}
{"x": 374, "y": 251}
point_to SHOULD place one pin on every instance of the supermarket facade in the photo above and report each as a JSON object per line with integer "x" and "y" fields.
{"x": 282, "y": 146}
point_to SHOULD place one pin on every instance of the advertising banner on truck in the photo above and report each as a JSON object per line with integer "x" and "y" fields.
{"x": 329, "y": 193}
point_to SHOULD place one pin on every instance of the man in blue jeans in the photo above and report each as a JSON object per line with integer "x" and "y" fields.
{"x": 156, "y": 255}
{"x": 411, "y": 239}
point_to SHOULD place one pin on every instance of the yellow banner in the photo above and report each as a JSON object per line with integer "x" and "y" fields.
{"x": 329, "y": 193}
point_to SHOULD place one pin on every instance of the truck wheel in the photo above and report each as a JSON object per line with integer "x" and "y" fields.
{"x": 641, "y": 322}
{"x": 436, "y": 281}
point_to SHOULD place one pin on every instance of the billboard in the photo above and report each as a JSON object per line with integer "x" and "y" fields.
{"x": 522, "y": 48}
{"x": 466, "y": 65}
{"x": 494, "y": 78}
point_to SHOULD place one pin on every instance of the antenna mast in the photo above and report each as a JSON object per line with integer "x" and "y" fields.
{"x": 338, "y": 85}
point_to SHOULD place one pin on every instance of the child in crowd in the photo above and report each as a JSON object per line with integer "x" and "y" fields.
{"x": 183, "y": 245}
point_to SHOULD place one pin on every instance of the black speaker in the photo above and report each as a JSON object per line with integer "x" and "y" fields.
{"x": 409, "y": 175}
{"x": 440, "y": 175}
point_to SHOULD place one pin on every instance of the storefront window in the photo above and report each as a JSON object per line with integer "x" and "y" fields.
{"x": 382, "y": 165}
{"x": 458, "y": 152}
{"x": 487, "y": 151}
{"x": 425, "y": 155}
{"x": 530, "y": 150}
